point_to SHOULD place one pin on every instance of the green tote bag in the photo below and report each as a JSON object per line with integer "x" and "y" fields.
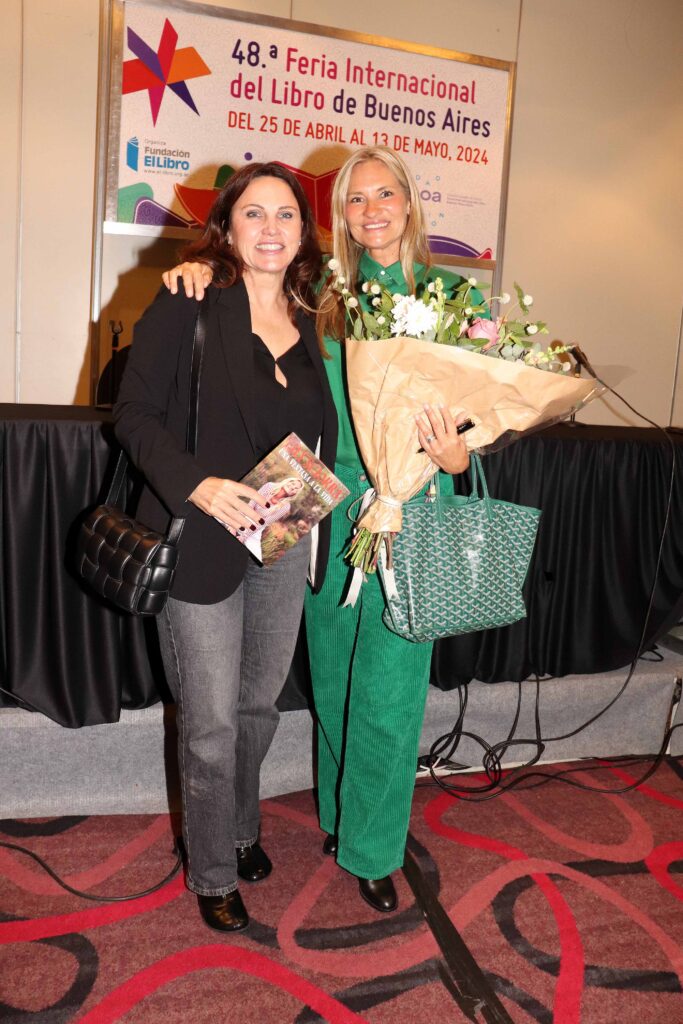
{"x": 459, "y": 563}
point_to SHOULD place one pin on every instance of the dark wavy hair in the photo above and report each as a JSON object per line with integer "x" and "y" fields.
{"x": 302, "y": 274}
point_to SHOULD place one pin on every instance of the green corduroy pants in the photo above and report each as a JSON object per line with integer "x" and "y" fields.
{"x": 369, "y": 689}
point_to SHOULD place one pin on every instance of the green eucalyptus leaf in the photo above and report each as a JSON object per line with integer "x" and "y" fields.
{"x": 520, "y": 298}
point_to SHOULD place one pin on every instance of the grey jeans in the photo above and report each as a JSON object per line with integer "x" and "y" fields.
{"x": 226, "y": 664}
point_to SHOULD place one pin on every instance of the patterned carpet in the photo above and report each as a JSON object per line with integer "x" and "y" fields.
{"x": 570, "y": 902}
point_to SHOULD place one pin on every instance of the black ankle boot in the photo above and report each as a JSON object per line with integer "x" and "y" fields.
{"x": 253, "y": 864}
{"x": 379, "y": 893}
{"x": 224, "y": 913}
{"x": 330, "y": 846}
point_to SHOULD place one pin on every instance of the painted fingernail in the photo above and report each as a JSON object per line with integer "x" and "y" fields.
{"x": 267, "y": 504}
{"x": 241, "y": 529}
{"x": 262, "y": 522}
{"x": 252, "y": 527}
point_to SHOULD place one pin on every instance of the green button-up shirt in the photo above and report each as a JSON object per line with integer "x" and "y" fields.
{"x": 347, "y": 449}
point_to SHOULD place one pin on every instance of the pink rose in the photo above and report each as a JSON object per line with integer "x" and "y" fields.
{"x": 485, "y": 329}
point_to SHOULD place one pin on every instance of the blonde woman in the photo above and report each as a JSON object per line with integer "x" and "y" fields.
{"x": 369, "y": 685}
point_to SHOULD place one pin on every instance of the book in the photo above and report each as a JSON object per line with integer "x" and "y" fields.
{"x": 301, "y": 490}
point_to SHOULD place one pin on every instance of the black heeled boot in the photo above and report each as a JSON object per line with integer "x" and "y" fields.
{"x": 253, "y": 863}
{"x": 224, "y": 913}
{"x": 379, "y": 893}
{"x": 330, "y": 846}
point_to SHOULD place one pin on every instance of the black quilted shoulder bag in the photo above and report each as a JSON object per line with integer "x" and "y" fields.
{"x": 119, "y": 557}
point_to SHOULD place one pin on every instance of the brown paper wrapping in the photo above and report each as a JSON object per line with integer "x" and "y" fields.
{"x": 390, "y": 381}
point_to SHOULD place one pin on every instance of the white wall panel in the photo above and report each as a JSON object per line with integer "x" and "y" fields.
{"x": 10, "y": 193}
{"x": 595, "y": 220}
{"x": 59, "y": 117}
{"x": 487, "y": 28}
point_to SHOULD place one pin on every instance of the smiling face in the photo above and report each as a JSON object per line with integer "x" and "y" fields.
{"x": 265, "y": 227}
{"x": 291, "y": 486}
{"x": 376, "y": 210}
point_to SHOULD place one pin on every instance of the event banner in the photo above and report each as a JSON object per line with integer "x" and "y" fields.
{"x": 199, "y": 93}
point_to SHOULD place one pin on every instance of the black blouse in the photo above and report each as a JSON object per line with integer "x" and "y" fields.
{"x": 281, "y": 410}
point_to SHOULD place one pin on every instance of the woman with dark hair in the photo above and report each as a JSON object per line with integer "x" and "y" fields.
{"x": 229, "y": 629}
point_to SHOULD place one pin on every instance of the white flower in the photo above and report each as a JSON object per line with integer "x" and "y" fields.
{"x": 341, "y": 281}
{"x": 376, "y": 302}
{"x": 531, "y": 329}
{"x": 402, "y": 304}
{"x": 381, "y": 319}
{"x": 431, "y": 287}
{"x": 375, "y": 289}
{"x": 366, "y": 287}
{"x": 504, "y": 298}
{"x": 413, "y": 317}
{"x": 421, "y": 319}
{"x": 345, "y": 291}
{"x": 472, "y": 281}
{"x": 397, "y": 298}
{"x": 528, "y": 300}
{"x": 468, "y": 311}
{"x": 352, "y": 302}
{"x": 333, "y": 264}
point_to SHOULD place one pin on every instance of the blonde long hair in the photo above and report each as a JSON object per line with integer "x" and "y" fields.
{"x": 414, "y": 246}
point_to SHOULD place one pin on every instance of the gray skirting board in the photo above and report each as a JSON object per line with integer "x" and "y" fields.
{"x": 129, "y": 767}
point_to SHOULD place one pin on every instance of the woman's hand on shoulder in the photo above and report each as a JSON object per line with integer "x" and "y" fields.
{"x": 437, "y": 433}
{"x": 227, "y": 501}
{"x": 195, "y": 276}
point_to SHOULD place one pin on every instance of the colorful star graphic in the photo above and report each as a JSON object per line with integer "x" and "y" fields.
{"x": 167, "y": 67}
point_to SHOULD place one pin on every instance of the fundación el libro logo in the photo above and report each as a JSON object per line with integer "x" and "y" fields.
{"x": 156, "y": 156}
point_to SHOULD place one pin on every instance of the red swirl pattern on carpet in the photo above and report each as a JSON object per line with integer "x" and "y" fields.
{"x": 569, "y": 901}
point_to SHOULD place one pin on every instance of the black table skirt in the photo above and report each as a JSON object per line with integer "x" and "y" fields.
{"x": 603, "y": 492}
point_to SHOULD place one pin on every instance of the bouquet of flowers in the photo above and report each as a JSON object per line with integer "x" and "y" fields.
{"x": 408, "y": 351}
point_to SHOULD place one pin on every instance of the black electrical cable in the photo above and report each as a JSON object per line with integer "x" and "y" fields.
{"x": 606, "y": 763}
{"x": 89, "y": 896}
{"x": 64, "y": 885}
{"x": 491, "y": 761}
{"x": 516, "y": 780}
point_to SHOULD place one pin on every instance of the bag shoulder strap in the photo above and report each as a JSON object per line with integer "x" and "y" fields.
{"x": 196, "y": 373}
{"x": 115, "y": 492}
{"x": 122, "y": 470}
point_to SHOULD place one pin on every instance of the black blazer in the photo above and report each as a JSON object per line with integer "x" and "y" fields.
{"x": 151, "y": 420}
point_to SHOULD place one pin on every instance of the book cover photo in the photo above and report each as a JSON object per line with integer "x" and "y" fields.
{"x": 301, "y": 490}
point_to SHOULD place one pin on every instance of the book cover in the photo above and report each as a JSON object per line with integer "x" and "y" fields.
{"x": 301, "y": 490}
